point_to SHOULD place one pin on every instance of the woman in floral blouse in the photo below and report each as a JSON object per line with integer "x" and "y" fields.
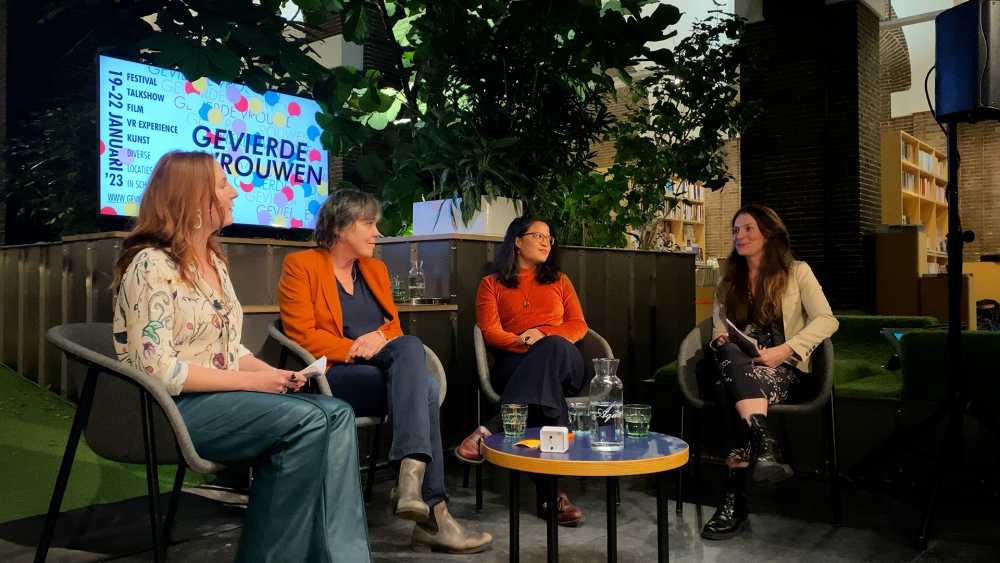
{"x": 177, "y": 319}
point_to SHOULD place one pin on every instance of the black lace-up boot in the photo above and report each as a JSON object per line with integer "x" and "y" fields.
{"x": 765, "y": 465}
{"x": 732, "y": 516}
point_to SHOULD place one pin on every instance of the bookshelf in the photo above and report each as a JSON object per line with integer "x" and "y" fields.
{"x": 914, "y": 177}
{"x": 686, "y": 221}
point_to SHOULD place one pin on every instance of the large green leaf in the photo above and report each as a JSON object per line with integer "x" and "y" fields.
{"x": 356, "y": 25}
{"x": 225, "y": 59}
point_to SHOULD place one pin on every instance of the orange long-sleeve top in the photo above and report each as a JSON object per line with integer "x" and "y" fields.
{"x": 552, "y": 308}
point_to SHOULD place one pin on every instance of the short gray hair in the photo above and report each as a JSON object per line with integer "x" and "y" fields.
{"x": 341, "y": 210}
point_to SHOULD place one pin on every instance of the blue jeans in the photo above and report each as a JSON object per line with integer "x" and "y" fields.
{"x": 305, "y": 499}
{"x": 396, "y": 382}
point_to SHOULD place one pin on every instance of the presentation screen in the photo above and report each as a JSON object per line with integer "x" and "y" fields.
{"x": 269, "y": 145}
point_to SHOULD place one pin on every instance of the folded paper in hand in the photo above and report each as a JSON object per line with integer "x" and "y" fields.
{"x": 746, "y": 344}
{"x": 316, "y": 368}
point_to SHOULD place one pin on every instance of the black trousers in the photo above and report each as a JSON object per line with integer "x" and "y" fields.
{"x": 551, "y": 370}
{"x": 737, "y": 378}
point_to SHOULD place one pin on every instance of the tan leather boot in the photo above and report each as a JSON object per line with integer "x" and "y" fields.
{"x": 444, "y": 533}
{"x": 406, "y": 500}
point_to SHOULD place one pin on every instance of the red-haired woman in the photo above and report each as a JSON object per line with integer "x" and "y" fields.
{"x": 775, "y": 299}
{"x": 177, "y": 319}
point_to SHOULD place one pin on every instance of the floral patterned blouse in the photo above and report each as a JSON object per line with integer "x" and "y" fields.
{"x": 163, "y": 325}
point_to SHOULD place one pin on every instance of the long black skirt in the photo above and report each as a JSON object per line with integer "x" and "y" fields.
{"x": 551, "y": 370}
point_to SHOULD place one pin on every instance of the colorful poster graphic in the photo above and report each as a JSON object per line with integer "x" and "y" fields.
{"x": 268, "y": 144}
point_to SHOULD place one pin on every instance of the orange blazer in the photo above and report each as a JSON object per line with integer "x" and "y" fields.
{"x": 310, "y": 304}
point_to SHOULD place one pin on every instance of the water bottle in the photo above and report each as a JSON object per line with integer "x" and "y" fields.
{"x": 417, "y": 283}
{"x": 606, "y": 398}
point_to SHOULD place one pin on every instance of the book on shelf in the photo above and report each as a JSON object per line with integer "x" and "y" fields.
{"x": 686, "y": 190}
{"x": 909, "y": 182}
{"x": 689, "y": 237}
{"x": 905, "y": 150}
{"x": 685, "y": 213}
{"x": 926, "y": 161}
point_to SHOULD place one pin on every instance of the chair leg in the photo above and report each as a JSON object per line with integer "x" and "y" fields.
{"x": 79, "y": 421}
{"x": 833, "y": 467}
{"x": 680, "y": 470}
{"x": 479, "y": 488}
{"x": 696, "y": 453}
{"x": 373, "y": 460}
{"x": 175, "y": 497}
{"x": 152, "y": 476}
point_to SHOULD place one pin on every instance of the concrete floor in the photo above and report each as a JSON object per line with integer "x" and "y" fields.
{"x": 790, "y": 522}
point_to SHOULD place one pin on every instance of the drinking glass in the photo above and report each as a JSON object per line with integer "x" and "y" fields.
{"x": 637, "y": 420}
{"x": 398, "y": 284}
{"x": 580, "y": 420}
{"x": 515, "y": 419}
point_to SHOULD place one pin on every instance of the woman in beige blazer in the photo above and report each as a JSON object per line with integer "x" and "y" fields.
{"x": 777, "y": 301}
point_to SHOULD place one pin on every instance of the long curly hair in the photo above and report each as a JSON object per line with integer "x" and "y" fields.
{"x": 505, "y": 260}
{"x": 772, "y": 276}
{"x": 168, "y": 213}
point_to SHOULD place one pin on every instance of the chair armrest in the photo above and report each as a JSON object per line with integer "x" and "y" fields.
{"x": 437, "y": 370}
{"x": 483, "y": 367}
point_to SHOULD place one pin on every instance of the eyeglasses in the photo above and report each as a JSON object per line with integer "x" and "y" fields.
{"x": 542, "y": 236}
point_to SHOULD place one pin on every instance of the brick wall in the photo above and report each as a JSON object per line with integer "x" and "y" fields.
{"x": 720, "y": 206}
{"x": 814, "y": 154}
{"x": 604, "y": 153}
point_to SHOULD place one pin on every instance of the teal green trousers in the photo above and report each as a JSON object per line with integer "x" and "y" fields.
{"x": 305, "y": 500}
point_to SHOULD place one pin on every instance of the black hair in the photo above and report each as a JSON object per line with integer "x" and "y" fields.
{"x": 505, "y": 261}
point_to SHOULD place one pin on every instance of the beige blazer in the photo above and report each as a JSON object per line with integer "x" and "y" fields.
{"x": 806, "y": 316}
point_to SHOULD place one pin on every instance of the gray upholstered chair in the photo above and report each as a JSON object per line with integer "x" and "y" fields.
{"x": 301, "y": 358}
{"x": 821, "y": 397}
{"x": 128, "y": 417}
{"x": 592, "y": 345}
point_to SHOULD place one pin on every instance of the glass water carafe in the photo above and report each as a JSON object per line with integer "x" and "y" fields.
{"x": 416, "y": 283}
{"x": 606, "y": 400}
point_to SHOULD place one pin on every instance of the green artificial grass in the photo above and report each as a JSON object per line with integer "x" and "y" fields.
{"x": 34, "y": 428}
{"x": 666, "y": 374}
{"x": 860, "y": 351}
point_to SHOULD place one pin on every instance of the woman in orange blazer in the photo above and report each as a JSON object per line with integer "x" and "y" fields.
{"x": 336, "y": 302}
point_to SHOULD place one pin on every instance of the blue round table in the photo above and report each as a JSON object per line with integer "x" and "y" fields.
{"x": 655, "y": 453}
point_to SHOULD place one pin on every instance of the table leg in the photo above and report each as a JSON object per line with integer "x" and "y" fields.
{"x": 612, "y": 502}
{"x": 515, "y": 512}
{"x": 553, "y": 514}
{"x": 662, "y": 536}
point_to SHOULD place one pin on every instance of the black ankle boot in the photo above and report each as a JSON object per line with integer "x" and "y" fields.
{"x": 765, "y": 465}
{"x": 732, "y": 516}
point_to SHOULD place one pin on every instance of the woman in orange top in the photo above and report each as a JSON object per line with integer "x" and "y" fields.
{"x": 530, "y": 317}
{"x": 336, "y": 302}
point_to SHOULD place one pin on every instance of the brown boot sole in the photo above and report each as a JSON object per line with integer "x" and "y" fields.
{"x": 467, "y": 460}
{"x": 423, "y": 548}
{"x": 412, "y": 515}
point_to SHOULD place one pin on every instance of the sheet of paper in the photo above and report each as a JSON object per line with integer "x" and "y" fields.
{"x": 316, "y": 368}
{"x": 748, "y": 345}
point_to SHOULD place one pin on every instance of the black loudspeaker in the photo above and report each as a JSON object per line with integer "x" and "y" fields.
{"x": 967, "y": 58}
